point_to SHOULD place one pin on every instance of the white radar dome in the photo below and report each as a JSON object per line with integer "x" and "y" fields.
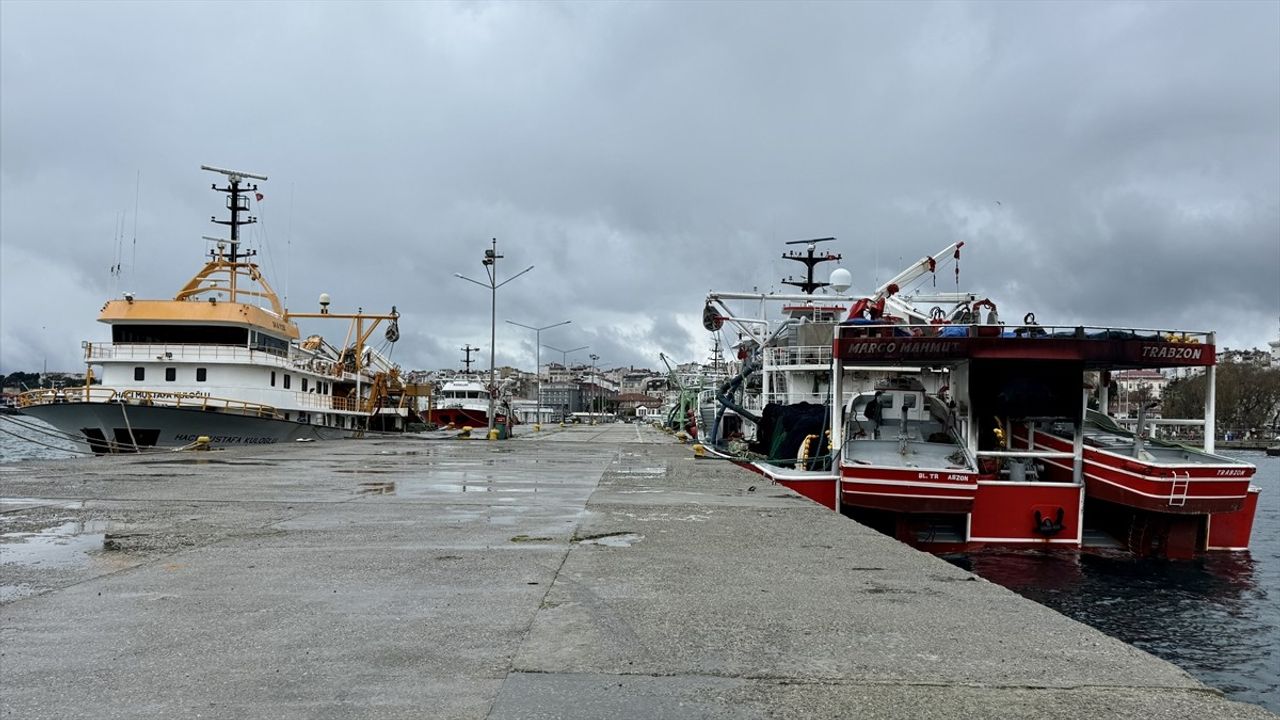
{"x": 840, "y": 280}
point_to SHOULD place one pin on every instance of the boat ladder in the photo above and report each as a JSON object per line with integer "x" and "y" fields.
{"x": 1178, "y": 490}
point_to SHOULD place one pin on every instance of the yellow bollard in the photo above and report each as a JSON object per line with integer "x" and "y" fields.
{"x": 699, "y": 450}
{"x": 537, "y": 427}
{"x": 202, "y": 443}
{"x": 466, "y": 431}
{"x": 493, "y": 434}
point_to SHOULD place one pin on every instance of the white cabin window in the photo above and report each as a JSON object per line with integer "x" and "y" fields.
{"x": 170, "y": 374}
{"x": 139, "y": 374}
{"x": 202, "y": 374}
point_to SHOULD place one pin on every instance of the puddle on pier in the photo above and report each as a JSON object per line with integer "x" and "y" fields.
{"x": 376, "y": 488}
{"x": 643, "y": 471}
{"x": 211, "y": 461}
{"x": 618, "y": 540}
{"x": 8, "y": 504}
{"x": 70, "y": 544}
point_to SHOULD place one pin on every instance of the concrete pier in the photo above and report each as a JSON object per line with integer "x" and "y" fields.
{"x": 585, "y": 572}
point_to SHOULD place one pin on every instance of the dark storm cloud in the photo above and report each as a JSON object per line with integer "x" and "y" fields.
{"x": 1108, "y": 163}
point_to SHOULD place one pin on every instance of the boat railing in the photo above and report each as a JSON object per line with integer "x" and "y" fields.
{"x": 1026, "y": 454}
{"x": 776, "y": 357}
{"x": 315, "y": 401}
{"x": 53, "y": 396}
{"x": 218, "y": 353}
{"x": 189, "y": 400}
{"x": 181, "y": 352}
{"x": 1031, "y": 330}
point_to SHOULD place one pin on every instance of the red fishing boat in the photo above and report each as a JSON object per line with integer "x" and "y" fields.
{"x": 1009, "y": 453}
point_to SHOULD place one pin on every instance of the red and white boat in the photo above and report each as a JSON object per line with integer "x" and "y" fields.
{"x": 464, "y": 402}
{"x": 1009, "y": 453}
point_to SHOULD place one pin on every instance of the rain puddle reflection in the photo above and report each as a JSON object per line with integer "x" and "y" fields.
{"x": 66, "y": 545}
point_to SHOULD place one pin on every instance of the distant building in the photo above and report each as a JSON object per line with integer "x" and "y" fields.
{"x": 1136, "y": 387}
{"x": 564, "y": 398}
{"x": 630, "y": 403}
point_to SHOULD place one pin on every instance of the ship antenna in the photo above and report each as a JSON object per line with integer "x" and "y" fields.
{"x": 237, "y": 203}
{"x": 468, "y": 350}
{"x": 133, "y": 262}
{"x": 810, "y": 260}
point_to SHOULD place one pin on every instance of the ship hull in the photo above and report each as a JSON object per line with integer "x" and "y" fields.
{"x": 459, "y": 417}
{"x": 114, "y": 427}
{"x": 1203, "y": 488}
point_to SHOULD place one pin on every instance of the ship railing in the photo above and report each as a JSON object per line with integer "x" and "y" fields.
{"x": 182, "y": 353}
{"x": 97, "y": 352}
{"x": 1014, "y": 330}
{"x": 315, "y": 401}
{"x": 1011, "y": 465}
{"x": 775, "y": 357}
{"x": 53, "y": 396}
{"x": 99, "y": 394}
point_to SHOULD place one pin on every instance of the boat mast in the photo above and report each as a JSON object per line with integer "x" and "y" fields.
{"x": 468, "y": 350}
{"x": 810, "y": 260}
{"x": 237, "y": 202}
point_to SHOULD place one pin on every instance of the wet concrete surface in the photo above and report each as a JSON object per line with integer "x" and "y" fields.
{"x": 583, "y": 572}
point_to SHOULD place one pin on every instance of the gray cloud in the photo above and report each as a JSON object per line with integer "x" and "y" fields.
{"x": 641, "y": 154}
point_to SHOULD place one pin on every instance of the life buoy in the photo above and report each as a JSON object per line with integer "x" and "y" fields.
{"x": 937, "y": 315}
{"x": 1029, "y": 319}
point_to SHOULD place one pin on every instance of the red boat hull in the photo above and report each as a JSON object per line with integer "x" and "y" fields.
{"x": 1185, "y": 489}
{"x": 908, "y": 491}
{"x": 458, "y": 417}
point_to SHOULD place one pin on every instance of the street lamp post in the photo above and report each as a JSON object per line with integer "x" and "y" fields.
{"x": 565, "y": 355}
{"x": 490, "y": 262}
{"x": 595, "y": 388}
{"x": 537, "y": 357}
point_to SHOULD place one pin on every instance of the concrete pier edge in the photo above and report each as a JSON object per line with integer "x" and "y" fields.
{"x": 590, "y": 571}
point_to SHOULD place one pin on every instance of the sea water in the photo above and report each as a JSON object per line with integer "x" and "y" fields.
{"x": 1217, "y": 617}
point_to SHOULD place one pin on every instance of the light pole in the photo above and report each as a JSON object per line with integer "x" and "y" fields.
{"x": 537, "y": 356}
{"x": 490, "y": 263}
{"x": 595, "y": 388}
{"x": 564, "y": 354}
{"x": 564, "y": 362}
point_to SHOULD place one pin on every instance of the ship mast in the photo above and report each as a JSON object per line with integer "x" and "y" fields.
{"x": 237, "y": 202}
{"x": 810, "y": 260}
{"x": 468, "y": 350}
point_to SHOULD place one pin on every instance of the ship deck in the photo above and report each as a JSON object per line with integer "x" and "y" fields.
{"x": 591, "y": 571}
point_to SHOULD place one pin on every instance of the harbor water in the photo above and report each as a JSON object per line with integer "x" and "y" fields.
{"x": 25, "y": 438}
{"x": 1217, "y": 617}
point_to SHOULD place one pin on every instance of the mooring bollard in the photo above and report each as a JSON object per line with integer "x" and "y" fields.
{"x": 493, "y": 434}
{"x": 699, "y": 450}
{"x": 466, "y": 431}
{"x": 202, "y": 443}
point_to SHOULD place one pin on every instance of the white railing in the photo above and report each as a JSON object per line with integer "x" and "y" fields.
{"x": 98, "y": 352}
{"x": 776, "y": 357}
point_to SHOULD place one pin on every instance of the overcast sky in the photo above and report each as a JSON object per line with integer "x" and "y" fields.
{"x": 1110, "y": 163}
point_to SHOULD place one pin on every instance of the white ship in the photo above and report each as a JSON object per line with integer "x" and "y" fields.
{"x": 224, "y": 360}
